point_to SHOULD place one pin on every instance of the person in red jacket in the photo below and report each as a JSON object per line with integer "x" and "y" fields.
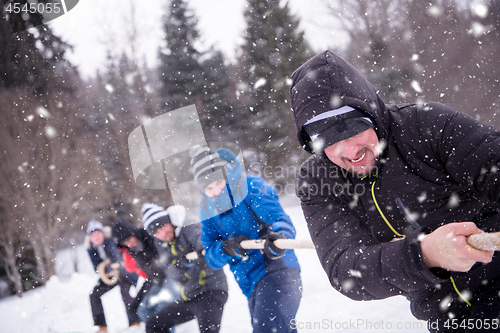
{"x": 157, "y": 290}
{"x": 392, "y": 193}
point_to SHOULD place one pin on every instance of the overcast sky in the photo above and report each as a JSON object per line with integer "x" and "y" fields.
{"x": 96, "y": 25}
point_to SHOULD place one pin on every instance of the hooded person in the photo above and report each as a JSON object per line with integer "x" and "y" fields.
{"x": 100, "y": 248}
{"x": 410, "y": 172}
{"x": 235, "y": 207}
{"x": 203, "y": 290}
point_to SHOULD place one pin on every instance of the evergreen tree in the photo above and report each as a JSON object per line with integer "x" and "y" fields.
{"x": 40, "y": 141}
{"x": 180, "y": 72}
{"x": 274, "y": 47}
{"x": 218, "y": 118}
{"x": 440, "y": 50}
{"x": 190, "y": 76}
{"x": 29, "y": 59}
{"x": 121, "y": 104}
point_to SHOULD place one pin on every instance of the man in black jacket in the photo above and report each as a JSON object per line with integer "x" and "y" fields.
{"x": 203, "y": 291}
{"x": 392, "y": 192}
{"x": 141, "y": 247}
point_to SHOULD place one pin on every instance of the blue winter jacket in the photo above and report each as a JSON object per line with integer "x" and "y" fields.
{"x": 252, "y": 215}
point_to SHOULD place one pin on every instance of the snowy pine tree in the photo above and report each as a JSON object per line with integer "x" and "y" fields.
{"x": 40, "y": 140}
{"x": 191, "y": 76}
{"x": 217, "y": 115}
{"x": 180, "y": 71}
{"x": 274, "y": 47}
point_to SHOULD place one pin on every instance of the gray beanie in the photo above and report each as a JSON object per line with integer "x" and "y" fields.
{"x": 93, "y": 226}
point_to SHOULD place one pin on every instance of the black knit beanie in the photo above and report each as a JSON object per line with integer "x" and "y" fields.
{"x": 334, "y": 126}
{"x": 122, "y": 231}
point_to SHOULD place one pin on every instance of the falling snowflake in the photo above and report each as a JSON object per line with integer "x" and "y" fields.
{"x": 260, "y": 83}
{"x": 348, "y": 285}
{"x": 422, "y": 197}
{"x": 43, "y": 112}
{"x": 445, "y": 303}
{"x": 480, "y": 9}
{"x": 454, "y": 201}
{"x": 355, "y": 273}
{"x": 50, "y": 132}
{"x": 435, "y": 11}
{"x": 416, "y": 86}
{"x": 109, "y": 88}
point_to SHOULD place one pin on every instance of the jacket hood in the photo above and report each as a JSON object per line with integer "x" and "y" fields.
{"x": 327, "y": 82}
{"x": 235, "y": 191}
{"x": 123, "y": 230}
{"x": 177, "y": 215}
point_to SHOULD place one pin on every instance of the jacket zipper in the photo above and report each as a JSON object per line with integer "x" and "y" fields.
{"x": 406, "y": 213}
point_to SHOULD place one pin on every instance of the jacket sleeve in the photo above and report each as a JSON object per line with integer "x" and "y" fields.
{"x": 214, "y": 254}
{"x": 357, "y": 265}
{"x": 95, "y": 258}
{"x": 193, "y": 236}
{"x": 111, "y": 250}
{"x": 196, "y": 278}
{"x": 469, "y": 150}
{"x": 191, "y": 274}
{"x": 447, "y": 146}
{"x": 130, "y": 264}
{"x": 266, "y": 206}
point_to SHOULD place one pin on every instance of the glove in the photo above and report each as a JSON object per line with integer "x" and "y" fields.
{"x": 232, "y": 246}
{"x": 270, "y": 250}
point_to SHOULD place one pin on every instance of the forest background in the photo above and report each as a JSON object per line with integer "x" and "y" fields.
{"x": 63, "y": 138}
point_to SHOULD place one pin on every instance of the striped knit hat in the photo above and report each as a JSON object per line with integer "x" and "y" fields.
{"x": 333, "y": 126}
{"x": 207, "y": 166}
{"x": 154, "y": 217}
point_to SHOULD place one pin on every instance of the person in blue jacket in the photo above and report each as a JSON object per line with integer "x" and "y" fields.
{"x": 101, "y": 248}
{"x": 236, "y": 207}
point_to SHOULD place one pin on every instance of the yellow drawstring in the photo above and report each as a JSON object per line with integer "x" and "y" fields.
{"x": 172, "y": 246}
{"x": 382, "y": 214}
{"x": 458, "y": 292}
{"x": 400, "y": 235}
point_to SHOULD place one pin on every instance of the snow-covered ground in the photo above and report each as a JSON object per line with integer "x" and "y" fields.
{"x": 63, "y": 306}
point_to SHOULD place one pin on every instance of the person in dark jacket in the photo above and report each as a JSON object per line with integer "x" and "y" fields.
{"x": 141, "y": 247}
{"x": 203, "y": 291}
{"x": 100, "y": 249}
{"x": 236, "y": 207}
{"x": 392, "y": 192}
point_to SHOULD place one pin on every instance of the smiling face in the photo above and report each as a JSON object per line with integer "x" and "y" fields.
{"x": 357, "y": 154}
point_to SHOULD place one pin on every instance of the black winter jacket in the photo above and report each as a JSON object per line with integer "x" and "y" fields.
{"x": 147, "y": 256}
{"x": 194, "y": 276}
{"x": 110, "y": 249}
{"x": 438, "y": 166}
